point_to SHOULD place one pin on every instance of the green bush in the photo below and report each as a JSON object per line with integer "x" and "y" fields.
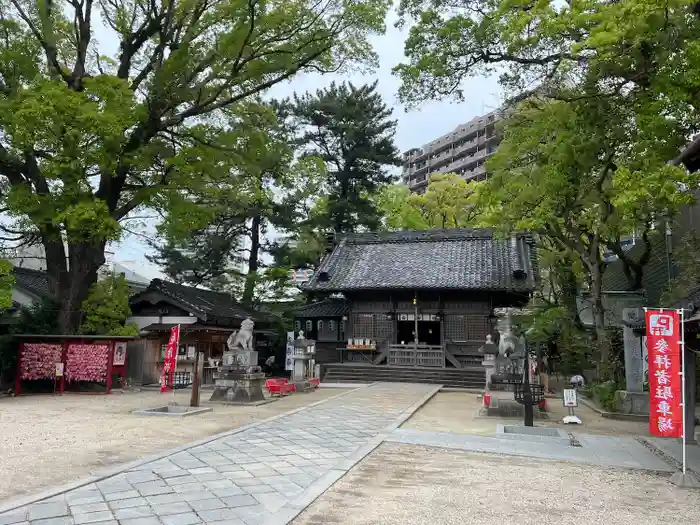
{"x": 604, "y": 394}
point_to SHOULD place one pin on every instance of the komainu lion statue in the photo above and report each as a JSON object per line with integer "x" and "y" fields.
{"x": 243, "y": 338}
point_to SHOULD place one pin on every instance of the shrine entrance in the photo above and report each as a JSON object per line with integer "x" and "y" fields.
{"x": 428, "y": 332}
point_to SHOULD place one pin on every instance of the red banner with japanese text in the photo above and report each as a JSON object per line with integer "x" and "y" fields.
{"x": 170, "y": 360}
{"x": 665, "y": 381}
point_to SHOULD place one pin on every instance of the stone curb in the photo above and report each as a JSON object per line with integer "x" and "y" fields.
{"x": 295, "y": 507}
{"x": 123, "y": 467}
{"x": 670, "y": 460}
{"x": 611, "y": 415}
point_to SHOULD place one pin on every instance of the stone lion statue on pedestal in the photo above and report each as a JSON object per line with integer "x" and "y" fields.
{"x": 242, "y": 338}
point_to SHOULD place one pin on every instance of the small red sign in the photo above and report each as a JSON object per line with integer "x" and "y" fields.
{"x": 665, "y": 381}
{"x": 170, "y": 360}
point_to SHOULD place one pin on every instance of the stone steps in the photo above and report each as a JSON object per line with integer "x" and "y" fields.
{"x": 471, "y": 378}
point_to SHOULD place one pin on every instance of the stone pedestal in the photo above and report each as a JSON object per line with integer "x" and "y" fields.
{"x": 489, "y": 364}
{"x": 239, "y": 387}
{"x": 627, "y": 402}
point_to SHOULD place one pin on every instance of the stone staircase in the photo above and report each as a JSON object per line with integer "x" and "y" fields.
{"x": 471, "y": 378}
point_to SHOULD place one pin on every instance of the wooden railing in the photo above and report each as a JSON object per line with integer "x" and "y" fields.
{"x": 421, "y": 355}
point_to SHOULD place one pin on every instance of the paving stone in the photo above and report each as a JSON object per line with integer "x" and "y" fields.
{"x": 259, "y": 489}
{"x": 63, "y": 520}
{"x": 127, "y": 494}
{"x": 228, "y": 491}
{"x": 207, "y": 504}
{"x": 153, "y": 488}
{"x": 163, "y": 498}
{"x": 189, "y": 487}
{"x": 127, "y": 503}
{"x": 217, "y": 515}
{"x": 240, "y": 501}
{"x": 48, "y": 510}
{"x": 233, "y": 521}
{"x": 219, "y": 484}
{"x": 247, "y": 482}
{"x": 201, "y": 470}
{"x": 13, "y": 517}
{"x": 209, "y": 476}
{"x": 133, "y": 512}
{"x": 141, "y": 521}
{"x": 141, "y": 477}
{"x": 85, "y": 509}
{"x": 273, "y": 501}
{"x": 93, "y": 517}
{"x": 187, "y": 518}
{"x": 166, "y": 509}
{"x": 196, "y": 496}
{"x": 240, "y": 474}
{"x": 84, "y": 497}
{"x": 254, "y": 515}
{"x": 230, "y": 467}
{"x": 181, "y": 480}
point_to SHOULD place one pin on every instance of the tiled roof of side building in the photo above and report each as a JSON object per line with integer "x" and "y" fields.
{"x": 462, "y": 259}
{"x": 34, "y": 281}
{"x": 325, "y": 308}
{"x": 203, "y": 302}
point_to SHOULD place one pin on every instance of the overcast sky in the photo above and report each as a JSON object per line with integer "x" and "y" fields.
{"x": 415, "y": 128}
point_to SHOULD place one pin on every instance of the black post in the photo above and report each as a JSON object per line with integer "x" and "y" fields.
{"x": 527, "y": 391}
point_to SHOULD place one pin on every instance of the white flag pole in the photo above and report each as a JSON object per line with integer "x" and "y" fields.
{"x": 682, "y": 326}
{"x": 177, "y": 353}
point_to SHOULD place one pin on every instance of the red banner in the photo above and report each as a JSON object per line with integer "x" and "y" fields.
{"x": 665, "y": 381}
{"x": 170, "y": 361}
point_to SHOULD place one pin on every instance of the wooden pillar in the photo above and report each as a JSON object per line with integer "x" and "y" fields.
{"x": 64, "y": 360}
{"x": 110, "y": 365}
{"x": 18, "y": 375}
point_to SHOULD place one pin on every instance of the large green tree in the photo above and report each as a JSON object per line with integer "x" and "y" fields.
{"x": 584, "y": 174}
{"x": 446, "y": 203}
{"x": 625, "y": 47}
{"x": 87, "y": 139}
{"x": 350, "y": 128}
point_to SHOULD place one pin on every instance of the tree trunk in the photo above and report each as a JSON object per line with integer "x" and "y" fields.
{"x": 70, "y": 280}
{"x": 253, "y": 260}
{"x": 599, "y": 321}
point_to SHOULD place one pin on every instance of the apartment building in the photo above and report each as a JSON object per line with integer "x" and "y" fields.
{"x": 463, "y": 151}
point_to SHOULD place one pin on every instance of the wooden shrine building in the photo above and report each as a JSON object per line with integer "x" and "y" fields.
{"x": 415, "y": 298}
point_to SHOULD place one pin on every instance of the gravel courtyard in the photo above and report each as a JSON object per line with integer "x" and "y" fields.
{"x": 50, "y": 440}
{"x": 415, "y": 485}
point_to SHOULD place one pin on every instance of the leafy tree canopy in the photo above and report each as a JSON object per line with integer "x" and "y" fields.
{"x": 446, "y": 203}
{"x": 107, "y": 308}
{"x": 87, "y": 139}
{"x": 7, "y": 282}
{"x": 623, "y": 47}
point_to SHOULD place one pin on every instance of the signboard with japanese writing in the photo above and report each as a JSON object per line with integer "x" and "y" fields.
{"x": 289, "y": 359}
{"x": 570, "y": 399}
{"x": 59, "y": 369}
{"x": 170, "y": 360}
{"x": 665, "y": 382}
{"x": 119, "y": 354}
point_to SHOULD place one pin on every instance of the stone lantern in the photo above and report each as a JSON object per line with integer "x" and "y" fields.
{"x": 490, "y": 351}
{"x": 304, "y": 362}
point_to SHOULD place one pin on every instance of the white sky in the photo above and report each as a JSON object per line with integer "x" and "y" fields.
{"x": 415, "y": 128}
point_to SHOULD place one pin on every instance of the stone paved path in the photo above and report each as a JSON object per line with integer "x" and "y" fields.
{"x": 240, "y": 479}
{"x": 605, "y": 451}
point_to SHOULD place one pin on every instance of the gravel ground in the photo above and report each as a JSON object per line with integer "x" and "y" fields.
{"x": 458, "y": 412}
{"x": 413, "y": 485}
{"x": 48, "y": 440}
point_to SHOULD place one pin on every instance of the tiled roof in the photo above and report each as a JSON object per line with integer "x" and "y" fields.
{"x": 34, "y": 281}
{"x": 325, "y": 308}
{"x": 654, "y": 276}
{"x": 205, "y": 304}
{"x": 431, "y": 259}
